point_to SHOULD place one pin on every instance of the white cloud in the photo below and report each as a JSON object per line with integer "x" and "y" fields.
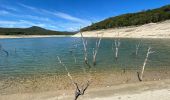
{"x": 9, "y": 8}
{"x": 57, "y": 14}
{"x": 26, "y": 6}
{"x": 46, "y": 20}
{"x": 70, "y": 17}
{"x": 4, "y": 12}
{"x": 36, "y": 17}
{"x": 20, "y": 23}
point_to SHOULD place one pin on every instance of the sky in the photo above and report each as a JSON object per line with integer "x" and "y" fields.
{"x": 67, "y": 15}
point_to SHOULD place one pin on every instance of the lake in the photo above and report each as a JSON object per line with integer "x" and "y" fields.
{"x": 38, "y": 56}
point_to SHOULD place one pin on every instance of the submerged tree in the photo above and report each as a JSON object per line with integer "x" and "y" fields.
{"x": 116, "y": 45}
{"x": 140, "y": 75}
{"x": 137, "y": 48}
{"x": 95, "y": 50}
{"x": 85, "y": 50}
{"x": 3, "y": 50}
{"x": 79, "y": 91}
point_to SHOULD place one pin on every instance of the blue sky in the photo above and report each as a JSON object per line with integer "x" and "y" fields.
{"x": 67, "y": 15}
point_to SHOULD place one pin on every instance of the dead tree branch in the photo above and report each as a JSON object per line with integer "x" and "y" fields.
{"x": 85, "y": 50}
{"x": 85, "y": 47}
{"x": 140, "y": 75}
{"x": 116, "y": 45}
{"x": 78, "y": 91}
{"x": 137, "y": 48}
{"x": 3, "y": 50}
{"x": 95, "y": 50}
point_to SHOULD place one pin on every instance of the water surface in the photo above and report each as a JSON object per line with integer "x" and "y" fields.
{"x": 29, "y": 56}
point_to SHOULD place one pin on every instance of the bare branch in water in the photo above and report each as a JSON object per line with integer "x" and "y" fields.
{"x": 85, "y": 47}
{"x": 95, "y": 50}
{"x": 74, "y": 57}
{"x": 85, "y": 51}
{"x": 140, "y": 75}
{"x": 3, "y": 50}
{"x": 68, "y": 73}
{"x": 137, "y": 48}
{"x": 116, "y": 45}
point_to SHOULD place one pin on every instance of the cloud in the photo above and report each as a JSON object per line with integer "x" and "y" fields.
{"x": 69, "y": 17}
{"x": 9, "y": 8}
{"x": 20, "y": 23}
{"x": 56, "y": 14}
{"x": 36, "y": 17}
{"x": 25, "y": 24}
{"x": 4, "y": 12}
{"x": 39, "y": 17}
{"x": 26, "y": 6}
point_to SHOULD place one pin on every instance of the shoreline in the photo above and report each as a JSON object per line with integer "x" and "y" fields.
{"x": 159, "y": 30}
{"x": 30, "y": 36}
{"x": 151, "y": 30}
{"x": 105, "y": 84}
{"x": 53, "y": 36}
{"x": 150, "y": 90}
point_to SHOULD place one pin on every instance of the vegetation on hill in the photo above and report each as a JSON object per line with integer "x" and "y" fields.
{"x": 34, "y": 30}
{"x": 132, "y": 19}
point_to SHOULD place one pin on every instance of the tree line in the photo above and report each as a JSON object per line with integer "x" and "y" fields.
{"x": 132, "y": 19}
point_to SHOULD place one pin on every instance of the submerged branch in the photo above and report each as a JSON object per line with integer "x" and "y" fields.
{"x": 137, "y": 48}
{"x": 78, "y": 91}
{"x": 95, "y": 50}
{"x": 3, "y": 50}
{"x": 116, "y": 45}
{"x": 140, "y": 76}
{"x": 85, "y": 51}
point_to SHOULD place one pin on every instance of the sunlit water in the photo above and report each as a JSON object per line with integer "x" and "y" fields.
{"x": 29, "y": 56}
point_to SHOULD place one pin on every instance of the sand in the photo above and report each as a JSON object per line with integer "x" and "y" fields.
{"x": 105, "y": 86}
{"x": 151, "y": 30}
{"x": 163, "y": 94}
{"x": 152, "y": 90}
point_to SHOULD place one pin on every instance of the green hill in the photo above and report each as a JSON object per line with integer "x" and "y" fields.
{"x": 34, "y": 30}
{"x": 132, "y": 19}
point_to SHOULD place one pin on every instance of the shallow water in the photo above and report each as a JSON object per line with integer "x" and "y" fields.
{"x": 29, "y": 56}
{"x": 32, "y": 64}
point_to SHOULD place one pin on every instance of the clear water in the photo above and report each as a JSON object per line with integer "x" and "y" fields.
{"x": 30, "y": 56}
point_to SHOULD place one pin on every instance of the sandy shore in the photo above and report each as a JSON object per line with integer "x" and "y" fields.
{"x": 151, "y": 30}
{"x": 151, "y": 90}
{"x": 105, "y": 86}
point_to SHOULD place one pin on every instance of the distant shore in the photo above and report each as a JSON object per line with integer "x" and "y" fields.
{"x": 31, "y": 36}
{"x": 151, "y": 30}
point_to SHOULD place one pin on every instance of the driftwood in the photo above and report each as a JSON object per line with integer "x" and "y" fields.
{"x": 78, "y": 91}
{"x": 140, "y": 75}
{"x": 95, "y": 50}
